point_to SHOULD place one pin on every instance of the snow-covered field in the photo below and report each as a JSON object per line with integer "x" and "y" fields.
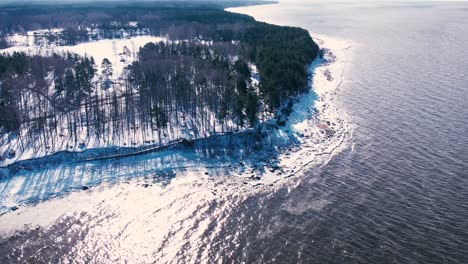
{"x": 165, "y": 218}
{"x": 112, "y": 49}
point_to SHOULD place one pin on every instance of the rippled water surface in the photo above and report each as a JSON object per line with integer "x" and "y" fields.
{"x": 398, "y": 195}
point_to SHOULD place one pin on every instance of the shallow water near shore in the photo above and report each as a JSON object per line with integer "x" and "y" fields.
{"x": 399, "y": 194}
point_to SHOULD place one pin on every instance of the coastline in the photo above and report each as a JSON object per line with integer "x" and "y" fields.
{"x": 326, "y": 133}
{"x": 365, "y": 164}
{"x": 304, "y": 126}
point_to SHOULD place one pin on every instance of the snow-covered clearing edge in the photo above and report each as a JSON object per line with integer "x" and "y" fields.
{"x": 315, "y": 115}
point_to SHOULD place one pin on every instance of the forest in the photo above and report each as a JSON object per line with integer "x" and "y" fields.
{"x": 204, "y": 88}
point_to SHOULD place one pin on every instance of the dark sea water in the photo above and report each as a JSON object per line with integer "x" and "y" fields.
{"x": 398, "y": 194}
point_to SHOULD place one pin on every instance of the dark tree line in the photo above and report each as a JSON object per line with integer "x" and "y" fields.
{"x": 16, "y": 64}
{"x": 192, "y": 79}
{"x": 159, "y": 18}
{"x": 282, "y": 55}
{"x": 206, "y": 88}
{"x": 3, "y": 41}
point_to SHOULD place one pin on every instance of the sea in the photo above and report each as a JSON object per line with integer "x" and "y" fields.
{"x": 400, "y": 193}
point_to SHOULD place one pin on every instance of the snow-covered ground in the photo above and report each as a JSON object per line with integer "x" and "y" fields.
{"x": 114, "y": 51}
{"x": 157, "y": 201}
{"x": 120, "y": 52}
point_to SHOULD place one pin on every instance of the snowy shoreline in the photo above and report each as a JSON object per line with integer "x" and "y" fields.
{"x": 315, "y": 131}
{"x": 325, "y": 134}
{"x": 29, "y": 161}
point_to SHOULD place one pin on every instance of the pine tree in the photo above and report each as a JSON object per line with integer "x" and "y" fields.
{"x": 107, "y": 72}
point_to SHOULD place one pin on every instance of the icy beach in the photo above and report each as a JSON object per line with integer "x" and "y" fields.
{"x": 171, "y": 189}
